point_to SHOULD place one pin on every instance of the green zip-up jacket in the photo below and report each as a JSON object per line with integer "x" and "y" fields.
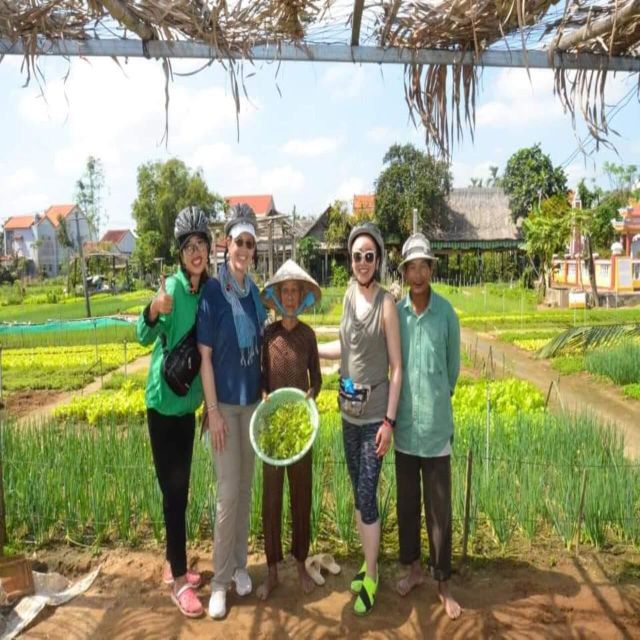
{"x": 175, "y": 325}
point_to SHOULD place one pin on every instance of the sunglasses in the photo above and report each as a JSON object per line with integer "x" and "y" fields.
{"x": 240, "y": 242}
{"x": 367, "y": 256}
{"x": 194, "y": 247}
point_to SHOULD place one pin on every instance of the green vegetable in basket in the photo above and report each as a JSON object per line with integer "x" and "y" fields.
{"x": 285, "y": 431}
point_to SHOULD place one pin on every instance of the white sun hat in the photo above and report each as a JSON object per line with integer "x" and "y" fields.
{"x": 416, "y": 247}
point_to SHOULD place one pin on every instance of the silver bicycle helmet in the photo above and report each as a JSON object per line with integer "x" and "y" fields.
{"x": 191, "y": 220}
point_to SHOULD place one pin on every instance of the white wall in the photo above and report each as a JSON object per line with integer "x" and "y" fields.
{"x": 127, "y": 244}
{"x": 47, "y": 259}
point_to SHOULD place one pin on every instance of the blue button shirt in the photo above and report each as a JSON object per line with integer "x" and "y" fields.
{"x": 430, "y": 367}
{"x": 235, "y": 384}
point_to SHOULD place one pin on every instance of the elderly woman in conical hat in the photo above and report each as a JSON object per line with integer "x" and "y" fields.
{"x": 289, "y": 359}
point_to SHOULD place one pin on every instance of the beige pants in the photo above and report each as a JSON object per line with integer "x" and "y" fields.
{"x": 234, "y": 472}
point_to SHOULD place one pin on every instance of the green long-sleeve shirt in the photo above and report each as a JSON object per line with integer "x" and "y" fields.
{"x": 175, "y": 325}
{"x": 430, "y": 367}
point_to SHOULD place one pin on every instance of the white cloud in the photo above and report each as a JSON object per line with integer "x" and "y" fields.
{"x": 220, "y": 158}
{"x": 350, "y": 187}
{"x": 311, "y": 146}
{"x": 519, "y": 102}
{"x": 281, "y": 179}
{"x": 344, "y": 81}
{"x": 19, "y": 179}
{"x": 381, "y": 135}
{"x": 115, "y": 114}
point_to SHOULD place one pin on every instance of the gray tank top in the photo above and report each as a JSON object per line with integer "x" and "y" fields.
{"x": 364, "y": 358}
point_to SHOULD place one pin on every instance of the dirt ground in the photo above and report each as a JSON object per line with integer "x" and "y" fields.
{"x": 551, "y": 595}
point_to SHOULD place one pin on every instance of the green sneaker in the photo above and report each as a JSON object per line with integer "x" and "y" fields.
{"x": 366, "y": 597}
{"x": 356, "y": 583}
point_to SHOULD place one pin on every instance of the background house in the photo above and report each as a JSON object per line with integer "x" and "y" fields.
{"x": 122, "y": 240}
{"x": 477, "y": 240}
{"x": 36, "y": 237}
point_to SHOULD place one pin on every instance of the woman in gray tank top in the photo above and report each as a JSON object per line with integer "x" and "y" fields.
{"x": 370, "y": 379}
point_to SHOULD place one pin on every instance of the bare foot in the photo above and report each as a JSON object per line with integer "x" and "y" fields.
{"x": 414, "y": 578}
{"x": 269, "y": 584}
{"x": 451, "y": 607}
{"x": 306, "y": 582}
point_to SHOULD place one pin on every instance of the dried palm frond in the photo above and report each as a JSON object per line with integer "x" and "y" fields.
{"x": 463, "y": 26}
{"x": 583, "y": 338}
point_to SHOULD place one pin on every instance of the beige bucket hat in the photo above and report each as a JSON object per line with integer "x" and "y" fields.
{"x": 291, "y": 270}
{"x": 416, "y": 247}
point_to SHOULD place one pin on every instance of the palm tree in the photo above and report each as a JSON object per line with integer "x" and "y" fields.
{"x": 583, "y": 338}
{"x": 494, "y": 180}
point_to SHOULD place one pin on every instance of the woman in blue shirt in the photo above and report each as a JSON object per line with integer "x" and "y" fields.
{"x": 230, "y": 321}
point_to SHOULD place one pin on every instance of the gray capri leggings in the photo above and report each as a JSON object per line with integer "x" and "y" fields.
{"x": 364, "y": 466}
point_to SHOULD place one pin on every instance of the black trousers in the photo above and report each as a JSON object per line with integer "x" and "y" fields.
{"x": 172, "y": 448}
{"x": 436, "y": 495}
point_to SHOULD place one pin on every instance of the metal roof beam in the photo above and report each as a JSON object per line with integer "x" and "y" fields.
{"x": 535, "y": 59}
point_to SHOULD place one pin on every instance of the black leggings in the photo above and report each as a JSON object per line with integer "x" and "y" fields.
{"x": 172, "y": 447}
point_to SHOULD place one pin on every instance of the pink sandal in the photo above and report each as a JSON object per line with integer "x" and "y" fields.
{"x": 187, "y": 601}
{"x": 194, "y": 579}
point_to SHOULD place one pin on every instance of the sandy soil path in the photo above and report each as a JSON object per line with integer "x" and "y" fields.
{"x": 566, "y": 597}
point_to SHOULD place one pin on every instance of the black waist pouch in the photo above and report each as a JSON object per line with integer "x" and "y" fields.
{"x": 182, "y": 364}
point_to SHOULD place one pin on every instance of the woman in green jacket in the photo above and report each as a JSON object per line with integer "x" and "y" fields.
{"x": 171, "y": 418}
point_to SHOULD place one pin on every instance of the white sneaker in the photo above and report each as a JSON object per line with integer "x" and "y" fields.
{"x": 243, "y": 582}
{"x": 218, "y": 604}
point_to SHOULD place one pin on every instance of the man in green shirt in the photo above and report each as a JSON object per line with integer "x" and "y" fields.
{"x": 430, "y": 339}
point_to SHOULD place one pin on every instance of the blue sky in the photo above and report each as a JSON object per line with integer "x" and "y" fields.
{"x": 308, "y": 135}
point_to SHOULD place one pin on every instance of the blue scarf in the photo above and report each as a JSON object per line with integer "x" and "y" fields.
{"x": 245, "y": 328}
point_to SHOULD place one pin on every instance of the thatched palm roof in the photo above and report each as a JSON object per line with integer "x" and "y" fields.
{"x": 441, "y": 95}
{"x": 478, "y": 218}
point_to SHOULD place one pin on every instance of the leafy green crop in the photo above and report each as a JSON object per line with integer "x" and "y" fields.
{"x": 285, "y": 431}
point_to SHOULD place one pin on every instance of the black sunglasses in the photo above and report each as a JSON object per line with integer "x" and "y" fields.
{"x": 368, "y": 256}
{"x": 250, "y": 243}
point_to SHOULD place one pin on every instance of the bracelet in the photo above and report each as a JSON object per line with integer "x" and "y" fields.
{"x": 390, "y": 422}
{"x": 212, "y": 406}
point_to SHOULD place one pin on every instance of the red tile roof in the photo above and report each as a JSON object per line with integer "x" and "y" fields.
{"x": 57, "y": 211}
{"x": 114, "y": 235}
{"x": 364, "y": 205}
{"x": 261, "y": 204}
{"x": 19, "y": 222}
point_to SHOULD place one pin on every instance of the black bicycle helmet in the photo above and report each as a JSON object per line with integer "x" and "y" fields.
{"x": 191, "y": 220}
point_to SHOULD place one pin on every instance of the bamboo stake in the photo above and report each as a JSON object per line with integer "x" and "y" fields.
{"x": 467, "y": 505}
{"x": 581, "y": 509}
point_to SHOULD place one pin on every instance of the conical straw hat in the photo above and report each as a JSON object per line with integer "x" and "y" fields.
{"x": 290, "y": 270}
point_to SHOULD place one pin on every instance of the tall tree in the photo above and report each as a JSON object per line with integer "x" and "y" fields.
{"x": 546, "y": 231}
{"x": 338, "y": 226}
{"x": 529, "y": 178}
{"x": 411, "y": 180}
{"x": 89, "y": 194}
{"x": 164, "y": 188}
{"x": 623, "y": 179}
{"x": 598, "y": 223}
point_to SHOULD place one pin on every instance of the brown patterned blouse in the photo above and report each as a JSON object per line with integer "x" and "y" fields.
{"x": 290, "y": 358}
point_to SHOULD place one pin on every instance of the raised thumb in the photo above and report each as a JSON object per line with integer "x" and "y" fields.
{"x": 163, "y": 287}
